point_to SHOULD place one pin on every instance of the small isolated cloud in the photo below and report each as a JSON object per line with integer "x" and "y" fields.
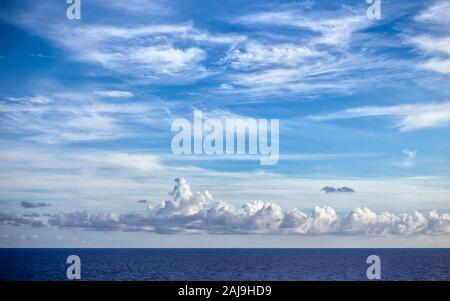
{"x": 189, "y": 212}
{"x": 28, "y": 204}
{"x": 410, "y": 154}
{"x": 40, "y": 55}
{"x": 329, "y": 189}
{"x": 408, "y": 160}
{"x": 114, "y": 94}
{"x": 226, "y": 87}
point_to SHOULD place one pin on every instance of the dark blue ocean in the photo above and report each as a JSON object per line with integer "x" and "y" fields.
{"x": 225, "y": 264}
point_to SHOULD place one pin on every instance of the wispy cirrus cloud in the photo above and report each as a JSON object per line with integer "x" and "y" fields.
{"x": 151, "y": 50}
{"x": 324, "y": 27}
{"x": 304, "y": 52}
{"x": 114, "y": 93}
{"x": 61, "y": 117}
{"x": 437, "y": 13}
{"x": 412, "y": 116}
{"x": 435, "y": 42}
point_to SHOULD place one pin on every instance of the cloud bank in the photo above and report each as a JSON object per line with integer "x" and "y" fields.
{"x": 190, "y": 212}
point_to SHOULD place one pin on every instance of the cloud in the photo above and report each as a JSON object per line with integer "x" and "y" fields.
{"x": 138, "y": 39}
{"x": 189, "y": 212}
{"x": 437, "y": 65}
{"x": 31, "y": 215}
{"x": 160, "y": 59}
{"x": 304, "y": 51}
{"x": 144, "y": 162}
{"x": 435, "y": 43}
{"x": 328, "y": 28}
{"x": 255, "y": 55}
{"x": 35, "y": 100}
{"x": 408, "y": 160}
{"x": 114, "y": 93}
{"x": 64, "y": 116}
{"x": 29, "y": 237}
{"x": 436, "y": 14}
{"x": 151, "y": 52}
{"x": 412, "y": 116}
{"x": 410, "y": 154}
{"x": 226, "y": 87}
{"x": 329, "y": 189}
{"x": 14, "y": 220}
{"x": 28, "y": 204}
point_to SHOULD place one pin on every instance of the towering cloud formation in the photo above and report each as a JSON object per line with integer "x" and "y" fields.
{"x": 198, "y": 213}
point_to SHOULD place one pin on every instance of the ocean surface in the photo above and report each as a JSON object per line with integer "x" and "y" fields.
{"x": 225, "y": 264}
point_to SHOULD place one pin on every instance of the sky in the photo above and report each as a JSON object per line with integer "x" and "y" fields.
{"x": 86, "y": 108}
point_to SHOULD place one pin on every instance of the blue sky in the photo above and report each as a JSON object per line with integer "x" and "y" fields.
{"x": 86, "y": 107}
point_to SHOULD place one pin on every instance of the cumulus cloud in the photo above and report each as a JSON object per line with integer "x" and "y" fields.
{"x": 189, "y": 212}
{"x": 14, "y": 220}
{"x": 28, "y": 204}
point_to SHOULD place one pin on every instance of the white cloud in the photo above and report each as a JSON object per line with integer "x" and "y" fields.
{"x": 114, "y": 93}
{"x": 226, "y": 87}
{"x": 143, "y": 51}
{"x": 433, "y": 44}
{"x": 410, "y": 154}
{"x": 407, "y": 160}
{"x": 197, "y": 213}
{"x": 412, "y": 116}
{"x": 332, "y": 30}
{"x": 436, "y": 14}
{"x": 255, "y": 55}
{"x": 437, "y": 65}
{"x": 65, "y": 117}
{"x": 313, "y": 53}
{"x": 436, "y": 43}
{"x": 144, "y": 162}
{"x": 37, "y": 100}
